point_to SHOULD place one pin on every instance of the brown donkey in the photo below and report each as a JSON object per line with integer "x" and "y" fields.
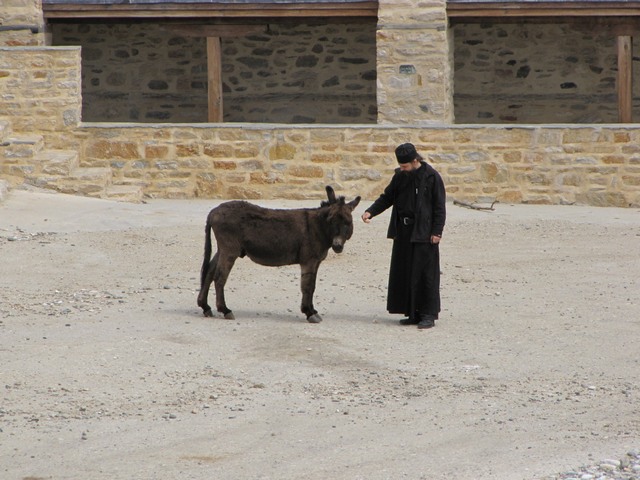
{"x": 273, "y": 238}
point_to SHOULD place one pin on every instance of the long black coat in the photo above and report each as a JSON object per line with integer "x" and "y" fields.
{"x": 414, "y": 274}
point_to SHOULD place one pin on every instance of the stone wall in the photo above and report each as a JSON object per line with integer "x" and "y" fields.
{"x": 547, "y": 165}
{"x": 40, "y": 88}
{"x": 414, "y": 63}
{"x": 544, "y": 73}
{"x": 596, "y": 165}
{"x": 410, "y": 68}
{"x": 289, "y": 73}
{"x": 21, "y": 23}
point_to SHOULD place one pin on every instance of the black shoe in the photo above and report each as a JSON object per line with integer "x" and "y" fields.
{"x": 409, "y": 321}
{"x": 427, "y": 321}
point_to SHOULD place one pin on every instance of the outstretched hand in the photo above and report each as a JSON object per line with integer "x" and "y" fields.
{"x": 366, "y": 217}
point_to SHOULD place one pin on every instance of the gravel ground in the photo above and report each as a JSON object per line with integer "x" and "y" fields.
{"x": 108, "y": 370}
{"x": 626, "y": 468}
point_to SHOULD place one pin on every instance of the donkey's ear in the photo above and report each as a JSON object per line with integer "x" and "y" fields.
{"x": 331, "y": 195}
{"x": 354, "y": 203}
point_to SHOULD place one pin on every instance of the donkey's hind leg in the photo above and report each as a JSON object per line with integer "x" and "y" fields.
{"x": 225, "y": 264}
{"x": 206, "y": 284}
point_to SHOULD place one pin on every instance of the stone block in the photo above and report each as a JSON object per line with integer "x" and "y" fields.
{"x": 461, "y": 137}
{"x": 603, "y": 198}
{"x": 370, "y": 159}
{"x": 444, "y": 158}
{"x": 357, "y": 174}
{"x": 537, "y": 178}
{"x": 166, "y": 165}
{"x": 512, "y": 156}
{"x": 244, "y": 193}
{"x": 225, "y": 165}
{"x": 251, "y": 165}
{"x": 630, "y": 149}
{"x": 537, "y": 199}
{"x": 207, "y": 185}
{"x": 460, "y": 170}
{"x": 107, "y": 149}
{"x": 190, "y": 150}
{"x": 306, "y": 171}
{"x": 571, "y": 179}
{"x": 302, "y": 137}
{"x": 197, "y": 163}
{"x": 233, "y": 178}
{"x": 265, "y": 178}
{"x": 232, "y": 135}
{"x": 326, "y": 158}
{"x": 493, "y": 173}
{"x": 247, "y": 151}
{"x": 621, "y": 137}
{"x": 282, "y": 151}
{"x": 218, "y": 150}
{"x": 586, "y": 161}
{"x": 140, "y": 165}
{"x": 580, "y": 135}
{"x": 510, "y": 196}
{"x": 614, "y": 159}
{"x": 475, "y": 156}
{"x": 631, "y": 180}
{"x": 156, "y": 152}
{"x": 316, "y": 136}
{"x": 124, "y": 193}
{"x": 501, "y": 136}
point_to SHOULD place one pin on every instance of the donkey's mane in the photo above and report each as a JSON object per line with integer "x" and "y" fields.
{"x": 326, "y": 203}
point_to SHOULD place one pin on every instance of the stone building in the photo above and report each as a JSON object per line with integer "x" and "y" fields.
{"x": 519, "y": 101}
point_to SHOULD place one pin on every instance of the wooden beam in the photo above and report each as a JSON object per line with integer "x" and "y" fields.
{"x": 214, "y": 79}
{"x": 211, "y": 10}
{"x": 625, "y": 79}
{"x": 215, "y": 30}
{"x": 463, "y": 8}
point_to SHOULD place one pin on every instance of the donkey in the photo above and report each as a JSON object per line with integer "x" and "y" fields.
{"x": 273, "y": 238}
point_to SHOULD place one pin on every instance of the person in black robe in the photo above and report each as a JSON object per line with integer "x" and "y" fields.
{"x": 417, "y": 194}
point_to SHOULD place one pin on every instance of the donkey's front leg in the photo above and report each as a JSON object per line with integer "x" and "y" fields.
{"x": 308, "y": 286}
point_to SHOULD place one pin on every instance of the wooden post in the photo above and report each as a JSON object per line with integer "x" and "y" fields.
{"x": 213, "y": 33}
{"x": 214, "y": 79}
{"x": 625, "y": 79}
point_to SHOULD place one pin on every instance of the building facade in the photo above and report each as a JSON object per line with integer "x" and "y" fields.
{"x": 121, "y": 107}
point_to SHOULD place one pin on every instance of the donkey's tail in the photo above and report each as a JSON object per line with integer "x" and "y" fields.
{"x": 207, "y": 253}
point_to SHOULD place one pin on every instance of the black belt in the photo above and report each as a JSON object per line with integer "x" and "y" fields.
{"x": 407, "y": 220}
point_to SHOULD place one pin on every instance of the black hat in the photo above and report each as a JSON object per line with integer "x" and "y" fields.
{"x": 406, "y": 153}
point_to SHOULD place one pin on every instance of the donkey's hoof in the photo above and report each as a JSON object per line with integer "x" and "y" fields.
{"x": 315, "y": 318}
{"x": 229, "y": 316}
{"x": 208, "y": 313}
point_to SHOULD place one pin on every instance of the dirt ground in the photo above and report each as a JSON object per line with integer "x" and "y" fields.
{"x": 108, "y": 370}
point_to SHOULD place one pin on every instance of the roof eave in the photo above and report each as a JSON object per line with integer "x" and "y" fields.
{"x": 531, "y": 8}
{"x": 210, "y": 10}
